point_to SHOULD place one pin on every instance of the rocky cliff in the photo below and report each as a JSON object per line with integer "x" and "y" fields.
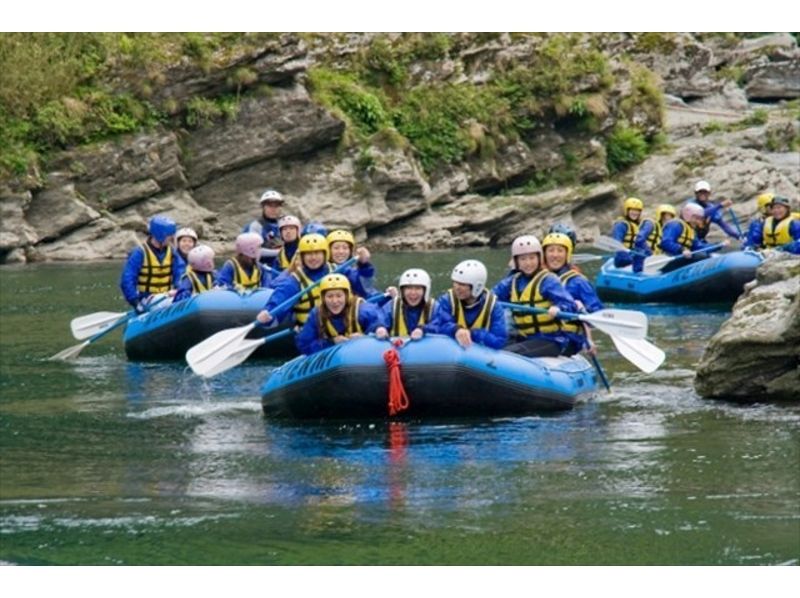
{"x": 755, "y": 356}
{"x": 424, "y": 140}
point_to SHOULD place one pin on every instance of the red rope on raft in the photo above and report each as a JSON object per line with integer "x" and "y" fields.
{"x": 398, "y": 399}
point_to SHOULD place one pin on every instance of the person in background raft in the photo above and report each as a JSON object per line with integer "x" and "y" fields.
{"x": 625, "y": 230}
{"x": 340, "y": 316}
{"x": 185, "y": 241}
{"x": 200, "y": 274}
{"x": 782, "y": 228}
{"x": 712, "y": 212}
{"x": 533, "y": 285}
{"x": 650, "y": 232}
{"x": 557, "y": 255}
{"x": 310, "y": 265}
{"x": 680, "y": 239}
{"x": 289, "y": 228}
{"x": 755, "y": 230}
{"x": 341, "y": 247}
{"x": 243, "y": 272}
{"x": 315, "y": 228}
{"x": 153, "y": 267}
{"x": 266, "y": 225}
{"x": 410, "y": 308}
{"x": 468, "y": 312}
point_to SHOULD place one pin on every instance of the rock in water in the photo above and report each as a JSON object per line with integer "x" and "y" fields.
{"x": 755, "y": 355}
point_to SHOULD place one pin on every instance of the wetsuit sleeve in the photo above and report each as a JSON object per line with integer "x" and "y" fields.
{"x": 225, "y": 276}
{"x": 284, "y": 289}
{"x": 582, "y": 290}
{"x": 640, "y": 241}
{"x": 502, "y": 289}
{"x": 386, "y": 314}
{"x": 497, "y": 335}
{"x": 669, "y": 239}
{"x": 308, "y": 339}
{"x": 130, "y": 274}
{"x": 755, "y": 233}
{"x": 370, "y": 318}
{"x": 553, "y": 291}
{"x": 618, "y": 231}
{"x": 266, "y": 277}
{"x": 442, "y": 322}
{"x": 717, "y": 217}
{"x": 794, "y": 232}
{"x": 178, "y": 269}
{"x": 184, "y": 290}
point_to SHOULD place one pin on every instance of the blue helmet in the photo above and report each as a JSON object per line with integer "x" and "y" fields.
{"x": 315, "y": 228}
{"x": 565, "y": 229}
{"x": 161, "y": 227}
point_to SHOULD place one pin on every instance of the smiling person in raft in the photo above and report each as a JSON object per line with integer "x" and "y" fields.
{"x": 410, "y": 308}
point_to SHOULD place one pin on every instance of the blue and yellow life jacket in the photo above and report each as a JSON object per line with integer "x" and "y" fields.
{"x": 484, "y": 319}
{"x": 201, "y": 281}
{"x": 686, "y": 238}
{"x": 630, "y": 233}
{"x": 399, "y": 326}
{"x": 243, "y": 281}
{"x": 328, "y": 330}
{"x": 529, "y": 324}
{"x": 155, "y": 276}
{"x": 654, "y": 238}
{"x": 571, "y": 325}
{"x": 309, "y": 300}
{"x": 776, "y": 233}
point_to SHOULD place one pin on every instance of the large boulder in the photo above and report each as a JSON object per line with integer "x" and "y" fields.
{"x": 755, "y": 356}
{"x": 57, "y": 209}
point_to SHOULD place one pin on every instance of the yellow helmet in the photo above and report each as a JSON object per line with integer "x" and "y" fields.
{"x": 763, "y": 200}
{"x": 341, "y": 235}
{"x": 313, "y": 242}
{"x": 559, "y": 239}
{"x": 334, "y": 281}
{"x": 631, "y": 203}
{"x": 665, "y": 208}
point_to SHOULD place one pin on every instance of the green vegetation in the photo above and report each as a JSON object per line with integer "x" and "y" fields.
{"x": 626, "y": 146}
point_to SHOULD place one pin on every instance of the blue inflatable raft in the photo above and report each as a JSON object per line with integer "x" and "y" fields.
{"x": 351, "y": 381}
{"x": 718, "y": 279}
{"x": 169, "y": 332}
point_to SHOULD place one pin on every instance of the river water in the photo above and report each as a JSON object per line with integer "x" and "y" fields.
{"x": 103, "y": 461}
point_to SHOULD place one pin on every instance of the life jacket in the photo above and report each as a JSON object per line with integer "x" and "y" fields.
{"x": 399, "y": 326}
{"x": 529, "y": 324}
{"x": 201, "y": 281}
{"x": 776, "y": 232}
{"x": 309, "y": 300}
{"x": 571, "y": 325}
{"x": 654, "y": 238}
{"x": 284, "y": 261}
{"x": 155, "y": 276}
{"x": 241, "y": 280}
{"x": 686, "y": 238}
{"x": 484, "y": 319}
{"x": 328, "y": 330}
{"x": 630, "y": 233}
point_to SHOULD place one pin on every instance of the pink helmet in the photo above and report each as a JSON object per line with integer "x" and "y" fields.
{"x": 525, "y": 244}
{"x": 691, "y": 209}
{"x": 249, "y": 244}
{"x": 290, "y": 221}
{"x": 201, "y": 258}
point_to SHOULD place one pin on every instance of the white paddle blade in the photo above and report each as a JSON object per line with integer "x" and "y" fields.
{"x": 70, "y": 353}
{"x": 618, "y": 322}
{"x": 640, "y": 352}
{"x": 604, "y": 243}
{"x": 86, "y": 326}
{"x": 225, "y": 360}
{"x": 654, "y": 263}
{"x": 217, "y": 346}
{"x": 582, "y": 258}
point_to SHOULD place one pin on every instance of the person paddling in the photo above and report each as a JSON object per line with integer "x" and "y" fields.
{"x": 243, "y": 272}
{"x": 625, "y": 230}
{"x": 712, "y": 212}
{"x": 154, "y": 266}
{"x": 411, "y": 308}
{"x": 782, "y": 228}
{"x": 680, "y": 238}
{"x": 200, "y": 274}
{"x": 342, "y": 246}
{"x": 648, "y": 239}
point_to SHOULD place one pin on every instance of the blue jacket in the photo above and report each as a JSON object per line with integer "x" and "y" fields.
{"x": 670, "y": 235}
{"x": 130, "y": 272}
{"x": 310, "y": 339}
{"x": 443, "y": 322}
{"x": 755, "y": 238}
{"x": 225, "y": 276}
{"x": 714, "y": 213}
{"x": 794, "y": 232}
{"x": 410, "y": 314}
{"x": 624, "y": 258}
{"x": 185, "y": 290}
{"x": 287, "y": 286}
{"x": 270, "y": 235}
{"x": 581, "y": 289}
{"x": 640, "y": 242}
{"x": 361, "y": 277}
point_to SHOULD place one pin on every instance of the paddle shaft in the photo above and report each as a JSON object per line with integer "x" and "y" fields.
{"x": 600, "y": 372}
{"x": 736, "y": 222}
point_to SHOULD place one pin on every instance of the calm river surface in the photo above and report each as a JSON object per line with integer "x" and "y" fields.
{"x": 103, "y": 461}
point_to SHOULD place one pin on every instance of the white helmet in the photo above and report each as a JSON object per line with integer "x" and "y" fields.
{"x": 524, "y": 245}
{"x": 416, "y": 277}
{"x": 691, "y": 209}
{"x": 249, "y": 244}
{"x": 289, "y": 221}
{"x": 201, "y": 258}
{"x": 702, "y": 186}
{"x": 270, "y": 195}
{"x": 186, "y": 232}
{"x": 471, "y": 272}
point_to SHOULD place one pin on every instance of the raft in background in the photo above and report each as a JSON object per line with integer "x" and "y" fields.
{"x": 169, "y": 332}
{"x": 351, "y": 380}
{"x": 718, "y": 279}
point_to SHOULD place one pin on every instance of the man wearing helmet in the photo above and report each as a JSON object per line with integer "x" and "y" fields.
{"x": 200, "y": 274}
{"x": 266, "y": 225}
{"x": 782, "y": 228}
{"x": 289, "y": 229}
{"x": 342, "y": 246}
{"x": 755, "y": 230}
{"x": 648, "y": 239}
{"x": 625, "y": 230}
{"x": 185, "y": 241}
{"x": 152, "y": 267}
{"x": 468, "y": 312}
{"x": 411, "y": 308}
{"x": 310, "y": 264}
{"x": 680, "y": 238}
{"x": 243, "y": 272}
{"x": 339, "y": 317}
{"x": 532, "y": 284}
{"x": 712, "y": 212}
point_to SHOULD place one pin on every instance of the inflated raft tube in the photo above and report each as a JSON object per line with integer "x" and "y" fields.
{"x": 718, "y": 279}
{"x": 351, "y": 381}
{"x": 168, "y": 333}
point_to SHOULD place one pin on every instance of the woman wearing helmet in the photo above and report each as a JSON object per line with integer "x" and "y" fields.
{"x": 532, "y": 284}
{"x": 468, "y": 312}
{"x": 755, "y": 230}
{"x": 289, "y": 230}
{"x": 200, "y": 274}
{"x": 679, "y": 237}
{"x": 712, "y": 212}
{"x": 243, "y": 272}
{"x": 185, "y": 241}
{"x": 650, "y": 232}
{"x": 411, "y": 308}
{"x": 625, "y": 230}
{"x": 310, "y": 264}
{"x": 340, "y": 316}
{"x": 266, "y": 225}
{"x": 342, "y": 246}
{"x": 152, "y": 267}
{"x": 782, "y": 228}
{"x": 557, "y": 255}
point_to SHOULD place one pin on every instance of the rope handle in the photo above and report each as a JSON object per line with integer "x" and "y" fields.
{"x": 398, "y": 398}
